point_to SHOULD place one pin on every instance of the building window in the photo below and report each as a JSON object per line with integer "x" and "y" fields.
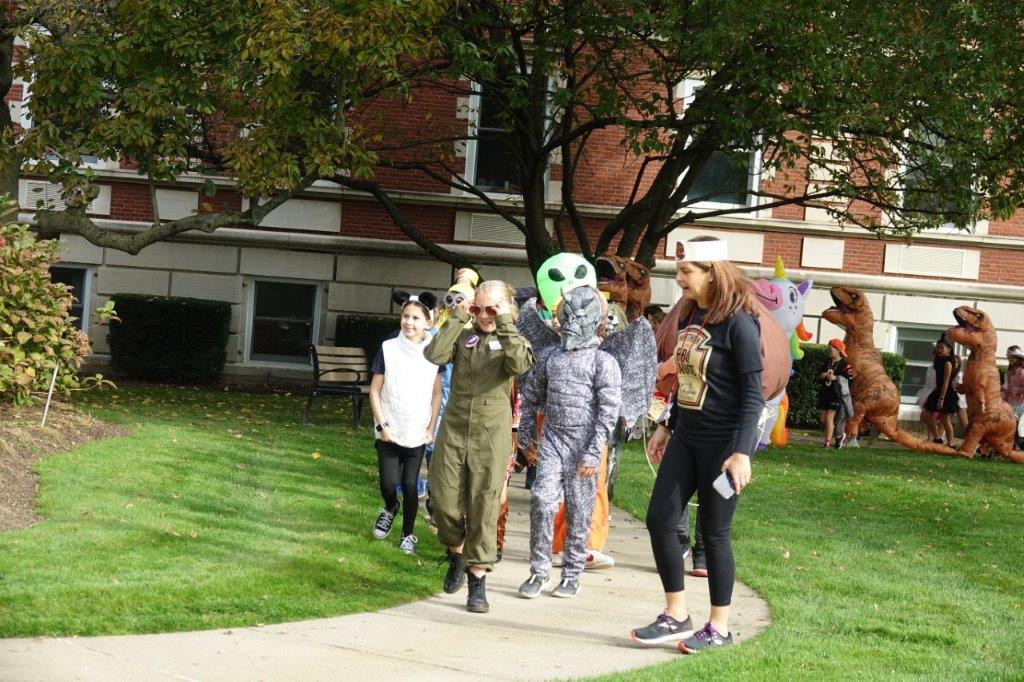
{"x": 490, "y": 165}
{"x": 76, "y": 280}
{"x": 284, "y": 321}
{"x": 917, "y": 345}
{"x": 727, "y": 178}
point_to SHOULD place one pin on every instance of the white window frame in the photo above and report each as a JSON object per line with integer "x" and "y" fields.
{"x": 937, "y": 331}
{"x": 978, "y": 227}
{"x": 250, "y": 304}
{"x": 685, "y": 91}
{"x": 473, "y": 126}
{"x": 86, "y": 288}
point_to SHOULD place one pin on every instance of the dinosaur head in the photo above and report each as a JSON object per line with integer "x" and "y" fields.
{"x": 974, "y": 329}
{"x": 626, "y": 282}
{"x": 851, "y": 311}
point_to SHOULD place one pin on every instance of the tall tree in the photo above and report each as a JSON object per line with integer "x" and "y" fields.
{"x": 260, "y": 92}
{"x": 896, "y": 116}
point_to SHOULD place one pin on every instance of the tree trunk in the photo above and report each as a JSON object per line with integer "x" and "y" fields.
{"x": 10, "y": 163}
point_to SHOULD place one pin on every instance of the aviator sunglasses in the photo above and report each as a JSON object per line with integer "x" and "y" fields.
{"x": 489, "y": 309}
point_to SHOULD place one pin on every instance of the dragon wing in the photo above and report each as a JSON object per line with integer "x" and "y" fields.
{"x": 634, "y": 350}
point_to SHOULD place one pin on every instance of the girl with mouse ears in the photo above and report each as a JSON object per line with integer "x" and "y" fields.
{"x": 405, "y": 396}
{"x": 713, "y": 430}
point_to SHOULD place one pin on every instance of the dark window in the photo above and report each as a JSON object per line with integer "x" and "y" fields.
{"x": 282, "y": 321}
{"x": 917, "y": 346}
{"x": 723, "y": 180}
{"x": 495, "y": 165}
{"x": 74, "y": 278}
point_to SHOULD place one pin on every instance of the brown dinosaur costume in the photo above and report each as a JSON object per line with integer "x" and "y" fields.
{"x": 991, "y": 419}
{"x": 875, "y": 397}
{"x": 627, "y": 282}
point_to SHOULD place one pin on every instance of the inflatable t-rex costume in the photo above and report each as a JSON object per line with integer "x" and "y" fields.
{"x": 626, "y": 282}
{"x": 991, "y": 419}
{"x": 875, "y": 397}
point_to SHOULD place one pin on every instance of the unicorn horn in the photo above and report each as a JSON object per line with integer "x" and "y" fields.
{"x": 780, "y": 268}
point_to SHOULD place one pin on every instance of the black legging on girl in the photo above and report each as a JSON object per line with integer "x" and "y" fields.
{"x": 397, "y": 464}
{"x": 687, "y": 467}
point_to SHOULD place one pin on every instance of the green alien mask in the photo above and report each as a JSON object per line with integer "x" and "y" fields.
{"x": 563, "y": 271}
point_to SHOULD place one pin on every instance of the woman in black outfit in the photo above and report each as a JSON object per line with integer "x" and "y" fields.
{"x": 716, "y": 410}
{"x": 830, "y": 397}
{"x": 943, "y": 402}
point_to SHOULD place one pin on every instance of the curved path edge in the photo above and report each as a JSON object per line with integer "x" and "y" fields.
{"x": 435, "y": 638}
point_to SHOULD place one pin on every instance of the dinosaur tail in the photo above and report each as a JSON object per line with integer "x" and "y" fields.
{"x": 906, "y": 440}
{"x": 1015, "y": 456}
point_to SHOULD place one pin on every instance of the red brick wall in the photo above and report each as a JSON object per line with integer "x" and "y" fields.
{"x": 789, "y": 246}
{"x": 1012, "y": 227}
{"x": 864, "y": 256}
{"x": 130, "y": 202}
{"x": 999, "y": 266}
{"x": 368, "y": 219}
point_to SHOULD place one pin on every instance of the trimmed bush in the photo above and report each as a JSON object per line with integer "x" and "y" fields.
{"x": 803, "y": 385}
{"x": 35, "y": 326}
{"x": 169, "y": 339}
{"x": 365, "y": 331}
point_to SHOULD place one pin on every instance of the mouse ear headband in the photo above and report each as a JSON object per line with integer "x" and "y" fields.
{"x": 426, "y": 299}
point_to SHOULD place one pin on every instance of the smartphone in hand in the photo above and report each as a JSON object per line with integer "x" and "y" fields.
{"x": 723, "y": 486}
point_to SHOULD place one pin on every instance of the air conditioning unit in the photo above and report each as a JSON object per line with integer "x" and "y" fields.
{"x": 31, "y": 192}
{"x": 489, "y": 228}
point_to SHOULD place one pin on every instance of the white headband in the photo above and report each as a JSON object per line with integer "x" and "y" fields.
{"x": 708, "y": 251}
{"x": 413, "y": 298}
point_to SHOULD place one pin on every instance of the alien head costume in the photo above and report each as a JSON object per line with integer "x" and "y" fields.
{"x": 563, "y": 272}
{"x": 579, "y": 316}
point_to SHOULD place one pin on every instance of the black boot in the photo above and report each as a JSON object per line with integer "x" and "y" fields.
{"x": 477, "y": 601}
{"x": 456, "y": 573}
{"x": 531, "y": 476}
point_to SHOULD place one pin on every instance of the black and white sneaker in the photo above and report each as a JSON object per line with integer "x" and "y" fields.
{"x": 533, "y": 586}
{"x": 566, "y": 588}
{"x": 665, "y": 628}
{"x": 408, "y": 544}
{"x": 707, "y": 637}
{"x": 386, "y": 519}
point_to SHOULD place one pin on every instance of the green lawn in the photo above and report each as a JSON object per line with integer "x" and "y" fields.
{"x": 876, "y": 564}
{"x": 215, "y": 512}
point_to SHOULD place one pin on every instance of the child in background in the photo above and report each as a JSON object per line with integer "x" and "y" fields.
{"x": 405, "y": 396}
{"x": 830, "y": 396}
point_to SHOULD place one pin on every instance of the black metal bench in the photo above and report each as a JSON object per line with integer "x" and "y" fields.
{"x": 339, "y": 372}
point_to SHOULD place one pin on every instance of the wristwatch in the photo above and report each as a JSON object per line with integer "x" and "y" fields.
{"x": 380, "y": 427}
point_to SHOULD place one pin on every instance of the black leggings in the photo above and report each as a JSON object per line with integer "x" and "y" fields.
{"x": 688, "y": 467}
{"x": 400, "y": 465}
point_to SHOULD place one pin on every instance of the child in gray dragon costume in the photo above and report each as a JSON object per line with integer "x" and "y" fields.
{"x": 578, "y": 388}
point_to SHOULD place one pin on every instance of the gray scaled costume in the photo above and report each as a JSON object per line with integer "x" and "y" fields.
{"x": 579, "y": 389}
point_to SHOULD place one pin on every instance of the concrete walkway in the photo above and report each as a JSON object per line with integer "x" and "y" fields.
{"x": 435, "y": 638}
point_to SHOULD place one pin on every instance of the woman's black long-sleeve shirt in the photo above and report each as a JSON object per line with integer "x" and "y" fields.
{"x": 719, "y": 393}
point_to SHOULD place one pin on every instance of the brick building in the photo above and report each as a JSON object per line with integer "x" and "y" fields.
{"x": 335, "y": 251}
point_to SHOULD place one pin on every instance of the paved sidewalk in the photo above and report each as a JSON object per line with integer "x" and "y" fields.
{"x": 436, "y": 638}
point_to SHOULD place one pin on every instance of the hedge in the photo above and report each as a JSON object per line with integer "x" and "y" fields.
{"x": 803, "y": 385}
{"x": 169, "y": 339}
{"x": 365, "y": 331}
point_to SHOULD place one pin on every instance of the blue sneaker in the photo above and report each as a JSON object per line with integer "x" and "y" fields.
{"x": 398, "y": 489}
{"x": 421, "y": 488}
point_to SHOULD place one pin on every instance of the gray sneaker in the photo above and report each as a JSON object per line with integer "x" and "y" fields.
{"x": 665, "y": 628}
{"x": 533, "y": 586}
{"x": 707, "y": 637}
{"x": 408, "y": 544}
{"x": 566, "y": 588}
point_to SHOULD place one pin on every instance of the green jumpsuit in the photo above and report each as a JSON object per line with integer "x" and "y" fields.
{"x": 473, "y": 447}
